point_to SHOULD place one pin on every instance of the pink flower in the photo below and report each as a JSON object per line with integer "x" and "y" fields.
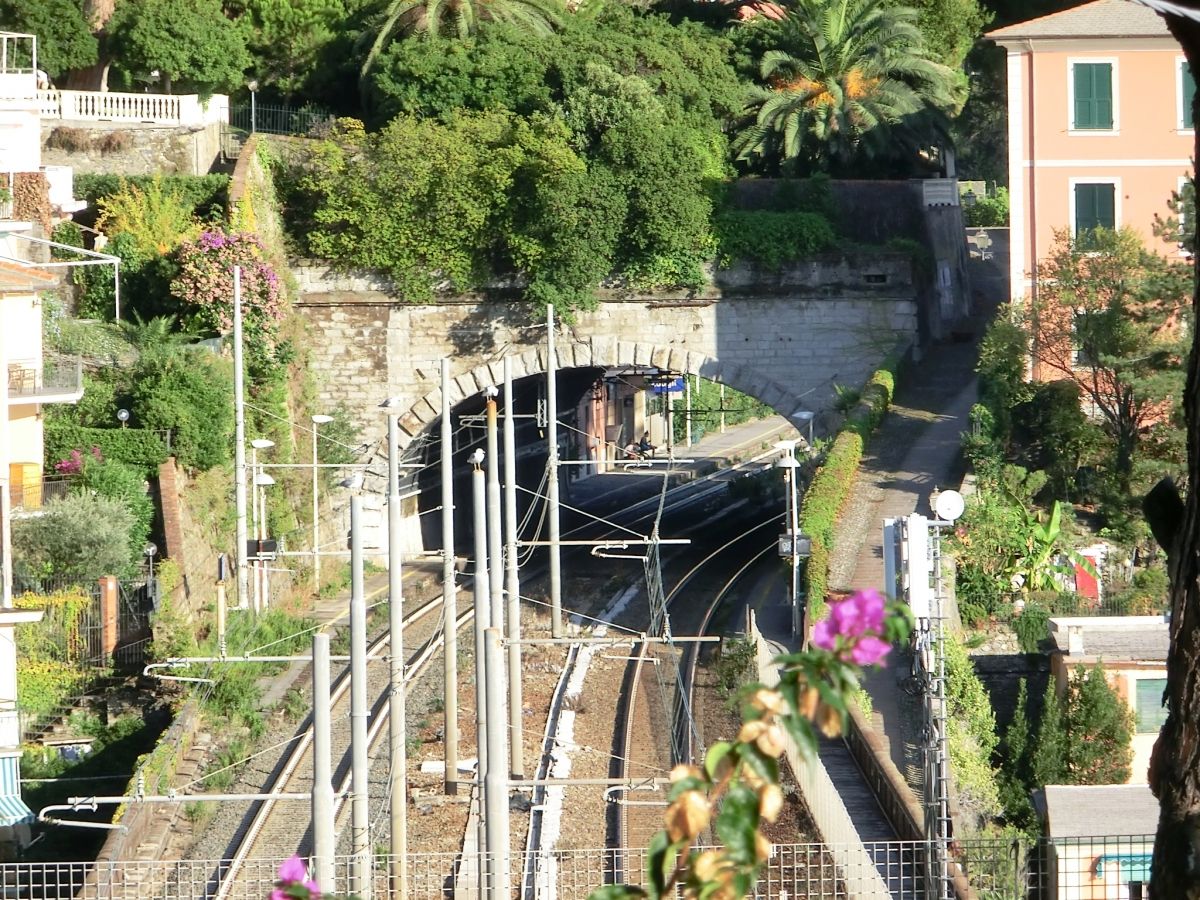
{"x": 823, "y": 635}
{"x": 293, "y": 870}
{"x": 869, "y": 650}
{"x": 861, "y": 612}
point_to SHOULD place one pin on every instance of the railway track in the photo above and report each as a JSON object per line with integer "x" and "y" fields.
{"x": 271, "y": 829}
{"x": 650, "y": 711}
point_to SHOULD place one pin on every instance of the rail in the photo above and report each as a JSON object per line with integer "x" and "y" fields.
{"x": 896, "y": 799}
{"x": 184, "y": 110}
{"x": 27, "y": 496}
{"x": 36, "y": 380}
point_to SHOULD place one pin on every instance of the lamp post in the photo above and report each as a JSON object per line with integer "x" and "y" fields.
{"x": 252, "y": 85}
{"x": 256, "y": 445}
{"x": 123, "y": 417}
{"x": 262, "y": 585}
{"x": 317, "y": 420}
{"x": 151, "y": 549}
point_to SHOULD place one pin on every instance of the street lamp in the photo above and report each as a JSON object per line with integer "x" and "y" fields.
{"x": 805, "y": 417}
{"x": 259, "y": 522}
{"x": 252, "y": 85}
{"x": 123, "y": 417}
{"x": 317, "y": 420}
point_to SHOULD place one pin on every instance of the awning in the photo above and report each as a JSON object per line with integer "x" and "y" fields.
{"x": 1133, "y": 866}
{"x": 13, "y": 810}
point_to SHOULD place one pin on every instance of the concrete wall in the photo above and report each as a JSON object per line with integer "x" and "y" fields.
{"x": 148, "y": 150}
{"x": 783, "y": 337}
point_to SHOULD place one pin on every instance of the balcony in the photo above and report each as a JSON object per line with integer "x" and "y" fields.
{"x": 57, "y": 379}
{"x": 181, "y": 110}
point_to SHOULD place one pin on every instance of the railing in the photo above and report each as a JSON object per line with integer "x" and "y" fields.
{"x": 303, "y": 120}
{"x": 33, "y": 495}
{"x": 1100, "y": 868}
{"x": 156, "y": 109}
{"x": 901, "y": 808}
{"x": 31, "y": 379}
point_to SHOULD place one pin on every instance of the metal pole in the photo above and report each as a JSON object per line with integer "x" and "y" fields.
{"x": 359, "y": 766}
{"x": 479, "y": 527}
{"x": 722, "y": 409}
{"x": 494, "y": 514}
{"x": 512, "y": 581}
{"x": 794, "y": 527}
{"x": 239, "y": 444}
{"x": 322, "y": 789}
{"x": 221, "y": 610}
{"x": 449, "y": 592}
{"x": 397, "y": 719}
{"x": 556, "y": 624}
{"x": 496, "y": 788}
{"x": 316, "y": 515}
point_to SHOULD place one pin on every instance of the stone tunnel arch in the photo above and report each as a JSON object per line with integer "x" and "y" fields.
{"x": 595, "y": 354}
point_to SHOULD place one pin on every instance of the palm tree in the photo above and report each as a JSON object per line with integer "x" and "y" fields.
{"x": 844, "y": 77}
{"x": 433, "y": 18}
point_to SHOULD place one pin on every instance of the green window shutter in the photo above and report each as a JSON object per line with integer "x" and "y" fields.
{"x": 1093, "y": 95}
{"x": 1151, "y": 714}
{"x": 1095, "y": 207}
{"x": 1189, "y": 94}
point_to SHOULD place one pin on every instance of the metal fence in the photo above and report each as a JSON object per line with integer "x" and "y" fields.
{"x": 301, "y": 120}
{"x": 1101, "y": 868}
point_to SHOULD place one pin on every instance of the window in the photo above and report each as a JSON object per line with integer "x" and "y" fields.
{"x": 1092, "y": 96}
{"x": 1151, "y": 714}
{"x": 1187, "y": 94}
{"x": 1083, "y": 327}
{"x": 1095, "y": 207}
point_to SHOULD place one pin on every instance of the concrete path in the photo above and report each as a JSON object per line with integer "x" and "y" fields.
{"x": 916, "y": 449}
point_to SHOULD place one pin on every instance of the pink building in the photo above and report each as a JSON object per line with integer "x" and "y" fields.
{"x": 1100, "y": 127}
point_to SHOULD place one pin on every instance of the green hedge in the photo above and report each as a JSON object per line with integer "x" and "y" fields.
{"x": 135, "y": 446}
{"x": 771, "y": 238}
{"x": 831, "y": 485}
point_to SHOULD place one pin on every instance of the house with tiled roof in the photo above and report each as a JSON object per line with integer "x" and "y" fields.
{"x": 1100, "y": 126}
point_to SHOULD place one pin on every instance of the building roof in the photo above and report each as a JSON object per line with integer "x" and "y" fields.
{"x": 1135, "y": 638}
{"x": 1096, "y": 810}
{"x": 15, "y": 278}
{"x": 1100, "y": 19}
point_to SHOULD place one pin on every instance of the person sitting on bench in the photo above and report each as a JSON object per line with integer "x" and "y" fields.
{"x": 644, "y": 446}
{"x": 631, "y": 451}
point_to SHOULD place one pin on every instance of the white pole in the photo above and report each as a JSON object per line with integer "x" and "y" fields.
{"x": 322, "y": 789}
{"x": 722, "y": 408}
{"x": 449, "y": 591}
{"x": 481, "y": 624}
{"x": 397, "y": 718}
{"x": 496, "y": 788}
{"x": 239, "y": 444}
{"x": 512, "y": 580}
{"x": 316, "y": 515}
{"x": 255, "y": 492}
{"x": 556, "y": 624}
{"x": 360, "y": 825}
{"x": 687, "y": 409}
{"x": 494, "y": 515}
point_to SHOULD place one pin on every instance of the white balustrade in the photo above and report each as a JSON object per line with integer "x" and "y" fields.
{"x": 112, "y": 106}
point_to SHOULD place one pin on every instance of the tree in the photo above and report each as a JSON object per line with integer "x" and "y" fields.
{"x": 287, "y": 37}
{"x": 1099, "y": 728}
{"x": 1107, "y": 316}
{"x": 76, "y": 539}
{"x": 462, "y": 17}
{"x": 1048, "y": 765}
{"x": 189, "y": 42}
{"x": 844, "y": 78}
{"x": 188, "y": 392}
{"x": 64, "y": 40}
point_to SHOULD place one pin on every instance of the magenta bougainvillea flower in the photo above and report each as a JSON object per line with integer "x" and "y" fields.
{"x": 854, "y": 628}
{"x": 205, "y": 283}
{"x": 294, "y": 881}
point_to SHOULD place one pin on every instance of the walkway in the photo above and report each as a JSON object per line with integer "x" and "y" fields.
{"x": 916, "y": 449}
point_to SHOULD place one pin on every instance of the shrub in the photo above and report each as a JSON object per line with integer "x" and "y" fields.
{"x": 770, "y": 238}
{"x": 988, "y": 212}
{"x": 153, "y": 215}
{"x": 205, "y": 196}
{"x": 971, "y": 733}
{"x": 76, "y": 539}
{"x": 190, "y": 393}
{"x": 126, "y": 484}
{"x": 138, "y": 447}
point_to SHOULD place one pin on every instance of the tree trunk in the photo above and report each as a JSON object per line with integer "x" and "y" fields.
{"x": 1175, "y": 764}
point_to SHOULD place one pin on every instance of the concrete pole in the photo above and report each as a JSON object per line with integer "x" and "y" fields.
{"x": 221, "y": 616}
{"x": 556, "y": 624}
{"x": 512, "y": 581}
{"x": 496, "y": 787}
{"x": 397, "y": 713}
{"x": 494, "y": 515}
{"x": 324, "y": 843}
{"x": 360, "y": 824}
{"x": 239, "y": 444}
{"x": 687, "y": 410}
{"x": 722, "y": 409}
{"x": 449, "y": 591}
{"x": 316, "y": 517}
{"x": 255, "y": 491}
{"x": 6, "y": 580}
{"x": 481, "y": 624}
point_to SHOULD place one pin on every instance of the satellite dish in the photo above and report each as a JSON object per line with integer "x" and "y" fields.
{"x": 949, "y": 505}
